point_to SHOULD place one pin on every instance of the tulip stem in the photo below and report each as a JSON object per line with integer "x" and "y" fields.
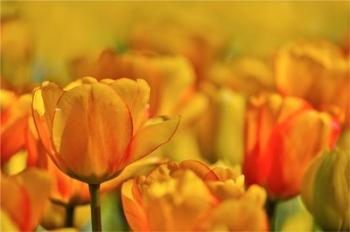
{"x": 95, "y": 207}
{"x": 69, "y": 216}
{"x": 271, "y": 212}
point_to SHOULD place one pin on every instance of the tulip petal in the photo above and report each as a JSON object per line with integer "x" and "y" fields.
{"x": 15, "y": 202}
{"x": 134, "y": 213}
{"x": 32, "y": 180}
{"x": 136, "y": 96}
{"x": 44, "y": 102}
{"x": 14, "y": 119}
{"x": 287, "y": 147}
{"x": 153, "y": 134}
{"x": 92, "y": 128}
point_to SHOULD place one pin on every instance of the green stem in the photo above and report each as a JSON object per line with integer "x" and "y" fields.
{"x": 69, "y": 216}
{"x": 270, "y": 207}
{"x": 95, "y": 207}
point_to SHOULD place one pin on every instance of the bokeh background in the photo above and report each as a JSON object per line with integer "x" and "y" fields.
{"x": 46, "y": 40}
{"x": 54, "y": 32}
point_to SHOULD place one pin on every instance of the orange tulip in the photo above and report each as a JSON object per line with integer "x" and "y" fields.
{"x": 22, "y": 205}
{"x": 15, "y": 114}
{"x": 318, "y": 72}
{"x": 171, "y": 78}
{"x": 92, "y": 129}
{"x": 282, "y": 136}
{"x": 192, "y": 197}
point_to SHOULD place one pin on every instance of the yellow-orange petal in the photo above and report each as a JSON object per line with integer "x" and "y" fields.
{"x": 136, "y": 96}
{"x": 92, "y": 128}
{"x": 134, "y": 213}
{"x": 15, "y": 202}
{"x": 7, "y": 223}
{"x": 34, "y": 180}
{"x": 153, "y": 134}
{"x": 44, "y": 103}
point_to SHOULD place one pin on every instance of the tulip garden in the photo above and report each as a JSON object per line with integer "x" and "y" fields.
{"x": 175, "y": 116}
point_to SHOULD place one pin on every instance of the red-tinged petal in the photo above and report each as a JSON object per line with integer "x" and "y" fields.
{"x": 15, "y": 201}
{"x": 134, "y": 213}
{"x": 151, "y": 135}
{"x": 292, "y": 146}
{"x": 91, "y": 130}
{"x": 13, "y": 139}
{"x": 33, "y": 180}
{"x": 14, "y": 119}
{"x": 201, "y": 169}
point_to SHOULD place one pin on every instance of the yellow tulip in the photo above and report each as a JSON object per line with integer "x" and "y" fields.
{"x": 92, "y": 129}
{"x": 318, "y": 72}
{"x": 325, "y": 190}
{"x": 220, "y": 129}
{"x": 190, "y": 196}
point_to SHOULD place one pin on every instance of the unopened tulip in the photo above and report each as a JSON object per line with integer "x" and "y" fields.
{"x": 192, "y": 197}
{"x": 325, "y": 190}
{"x": 318, "y": 72}
{"x": 219, "y": 131}
{"x": 282, "y": 136}
{"x": 23, "y": 199}
{"x": 92, "y": 129}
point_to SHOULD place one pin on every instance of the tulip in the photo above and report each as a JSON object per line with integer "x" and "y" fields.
{"x": 245, "y": 75}
{"x": 282, "y": 136}
{"x": 190, "y": 196}
{"x": 92, "y": 130}
{"x": 172, "y": 80}
{"x": 318, "y": 72}
{"x": 219, "y": 131}
{"x": 325, "y": 190}
{"x": 198, "y": 46}
{"x": 15, "y": 114}
{"x": 22, "y": 205}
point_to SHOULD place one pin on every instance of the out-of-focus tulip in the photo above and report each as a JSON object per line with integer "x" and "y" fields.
{"x": 92, "y": 130}
{"x": 282, "y": 135}
{"x": 171, "y": 78}
{"x": 220, "y": 129}
{"x": 16, "y": 50}
{"x": 246, "y": 75}
{"x": 318, "y": 72}
{"x": 172, "y": 81}
{"x": 15, "y": 114}
{"x": 189, "y": 197}
{"x": 23, "y": 199}
{"x": 200, "y": 47}
{"x": 325, "y": 190}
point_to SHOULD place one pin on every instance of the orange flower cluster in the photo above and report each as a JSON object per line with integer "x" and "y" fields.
{"x": 253, "y": 134}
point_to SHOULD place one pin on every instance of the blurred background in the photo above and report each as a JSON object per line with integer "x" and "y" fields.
{"x": 50, "y": 34}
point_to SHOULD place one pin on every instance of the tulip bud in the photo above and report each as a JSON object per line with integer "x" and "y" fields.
{"x": 325, "y": 190}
